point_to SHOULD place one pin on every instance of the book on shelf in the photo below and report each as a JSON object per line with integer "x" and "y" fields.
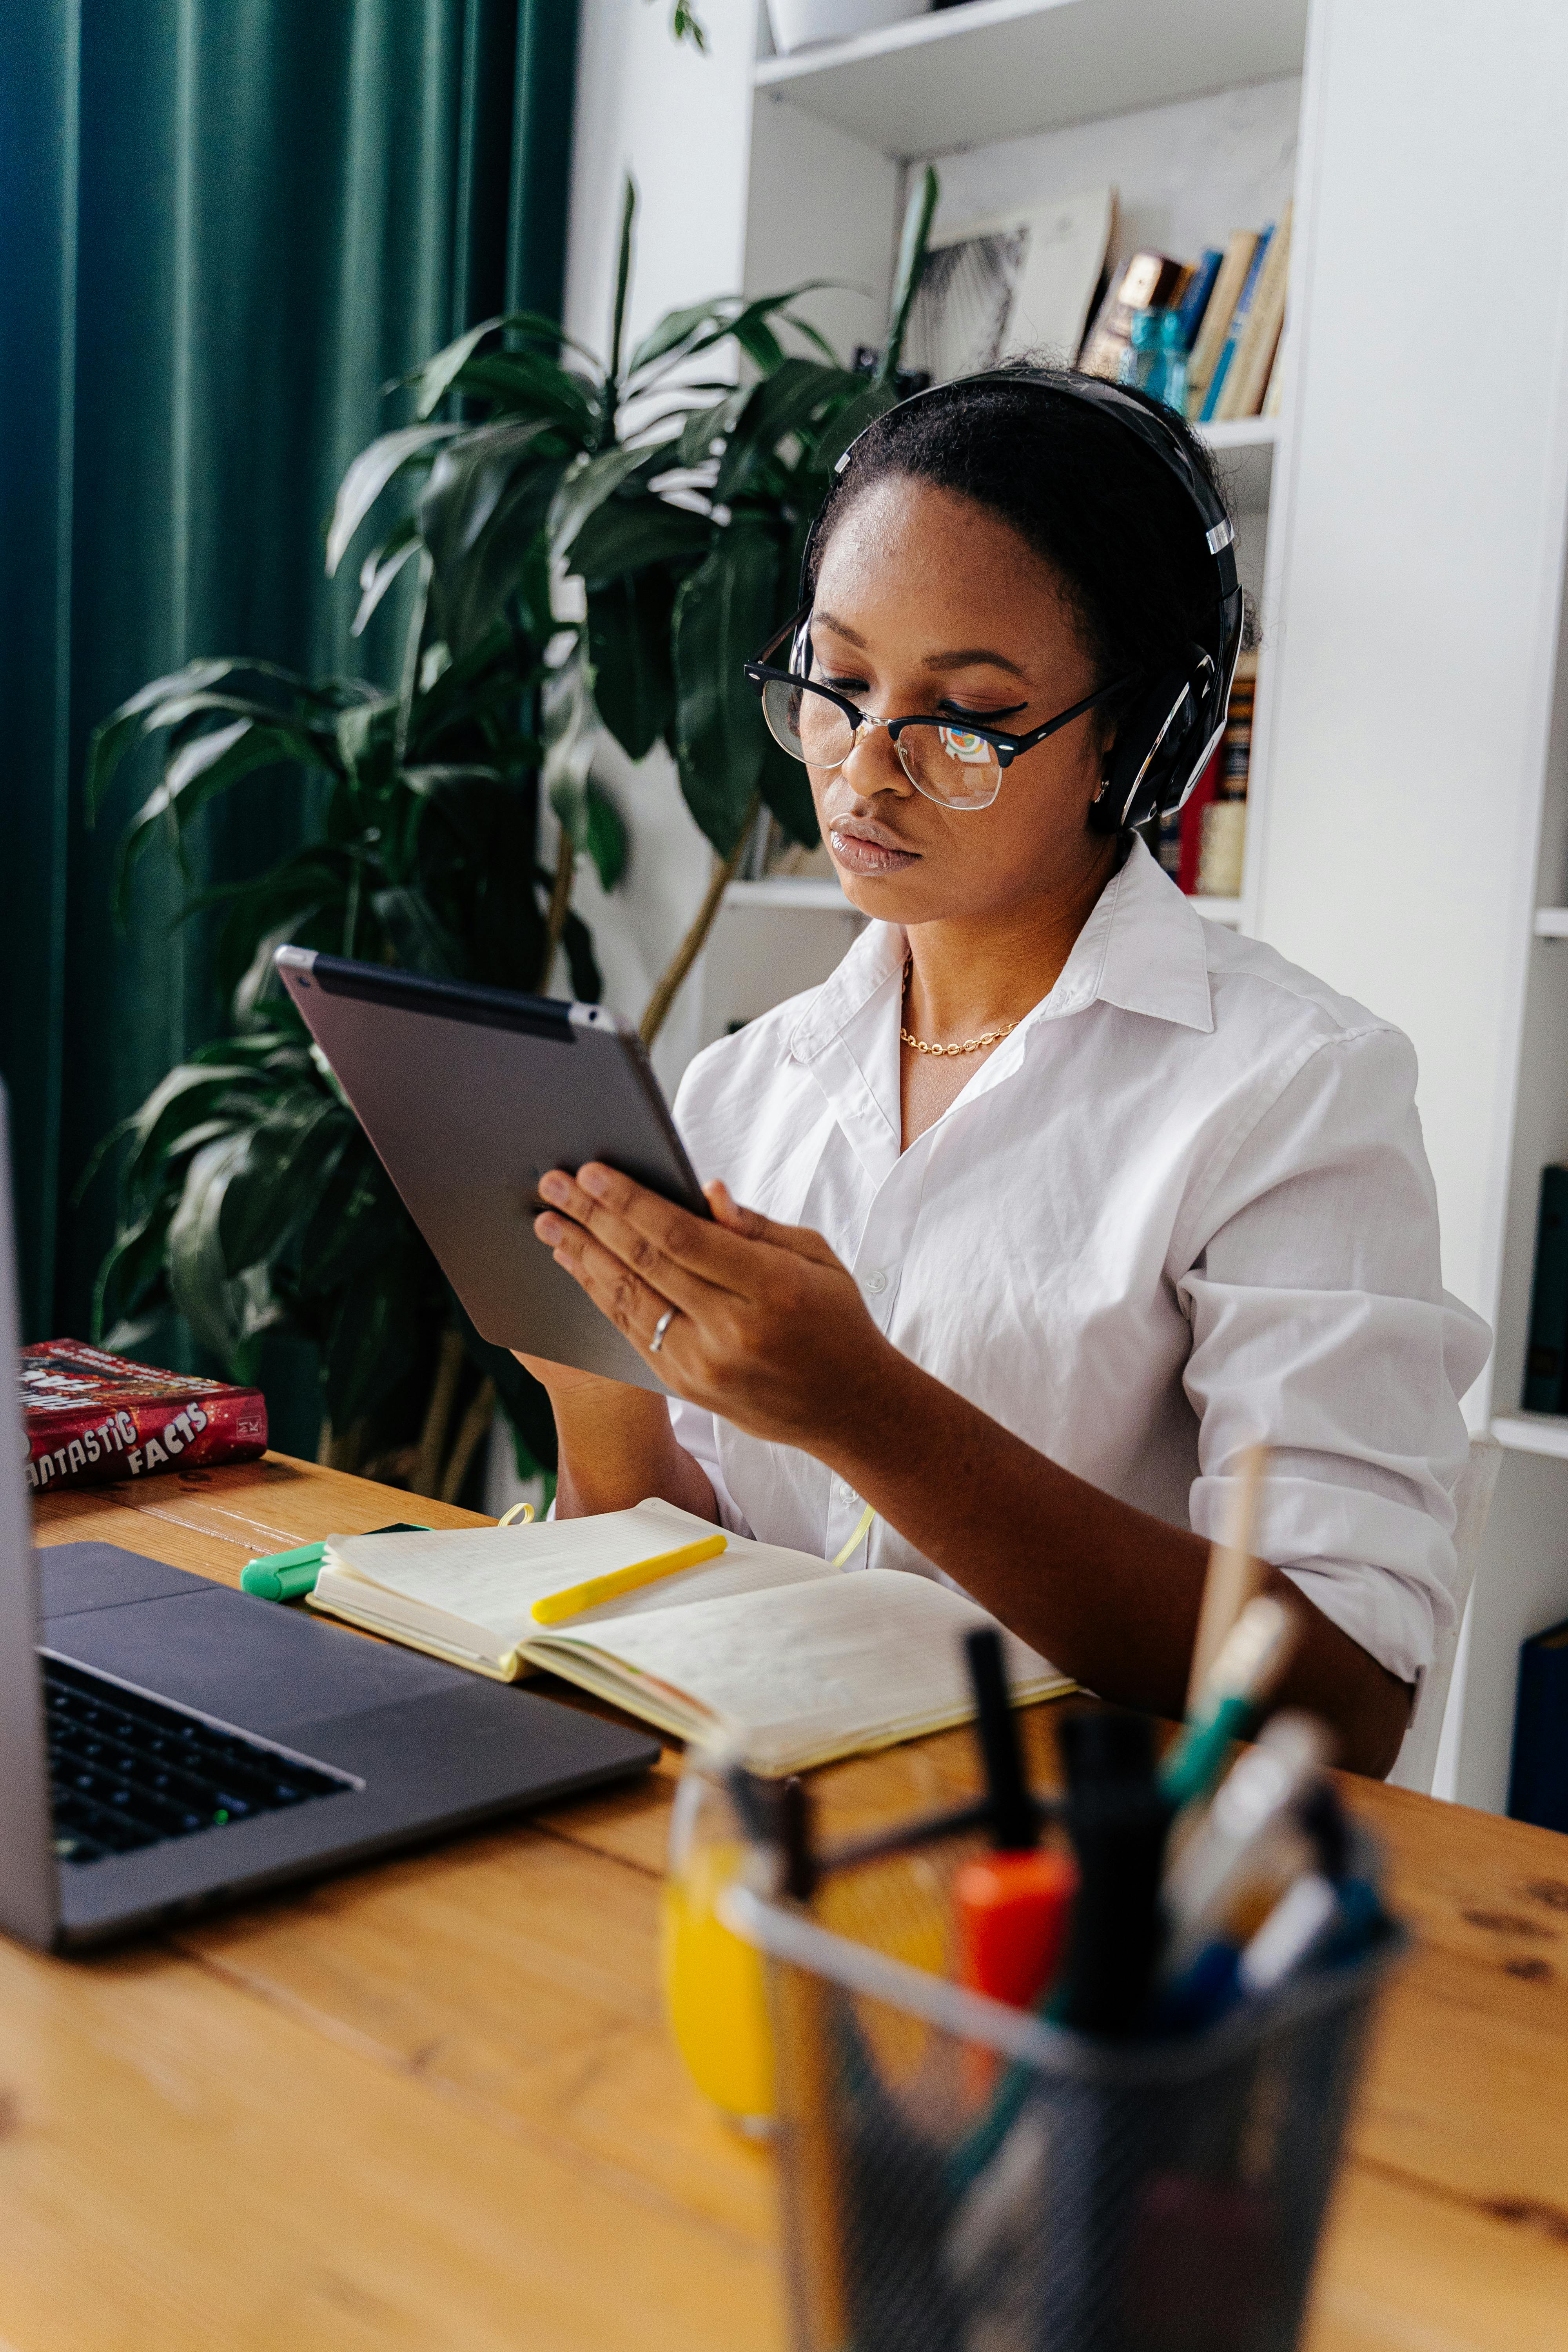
{"x": 1194, "y": 295}
{"x": 1233, "y": 334}
{"x": 1247, "y": 380}
{"x": 1222, "y": 838}
{"x": 92, "y": 1417}
{"x": 1218, "y": 311}
{"x": 1202, "y": 843}
{"x": 1546, "y": 1355}
{"x": 792, "y": 1660}
{"x": 1151, "y": 282}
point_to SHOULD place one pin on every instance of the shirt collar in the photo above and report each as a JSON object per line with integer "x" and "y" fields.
{"x": 1143, "y": 950}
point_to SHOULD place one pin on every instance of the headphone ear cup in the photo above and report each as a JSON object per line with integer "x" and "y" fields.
{"x": 1155, "y": 745}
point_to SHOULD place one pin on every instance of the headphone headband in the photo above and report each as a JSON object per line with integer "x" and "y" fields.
{"x": 1165, "y": 743}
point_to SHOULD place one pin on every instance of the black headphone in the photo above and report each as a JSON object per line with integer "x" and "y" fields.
{"x": 1163, "y": 743}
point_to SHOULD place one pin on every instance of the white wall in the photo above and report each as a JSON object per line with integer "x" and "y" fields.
{"x": 1186, "y": 175}
{"x": 679, "y": 122}
{"x": 1423, "y": 540}
{"x": 1424, "y": 498}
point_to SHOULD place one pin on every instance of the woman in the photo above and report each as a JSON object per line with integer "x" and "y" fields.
{"x": 1057, "y": 1198}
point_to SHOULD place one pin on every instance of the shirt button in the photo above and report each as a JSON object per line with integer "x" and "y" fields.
{"x": 875, "y": 1282}
{"x": 845, "y": 1491}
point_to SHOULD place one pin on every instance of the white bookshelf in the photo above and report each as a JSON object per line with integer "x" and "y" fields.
{"x": 1533, "y": 1433}
{"x": 973, "y": 76}
{"x": 1408, "y": 809}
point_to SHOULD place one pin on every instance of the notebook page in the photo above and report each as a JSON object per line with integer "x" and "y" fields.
{"x": 800, "y": 1673}
{"x": 489, "y": 1577}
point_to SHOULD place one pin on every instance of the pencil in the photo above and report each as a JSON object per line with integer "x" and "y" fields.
{"x": 572, "y": 1602}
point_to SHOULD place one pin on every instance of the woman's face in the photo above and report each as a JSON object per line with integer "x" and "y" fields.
{"x": 928, "y": 603}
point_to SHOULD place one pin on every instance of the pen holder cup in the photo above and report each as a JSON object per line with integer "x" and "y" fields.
{"x": 960, "y": 2176}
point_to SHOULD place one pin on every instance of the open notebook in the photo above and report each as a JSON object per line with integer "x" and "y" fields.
{"x": 797, "y": 1662}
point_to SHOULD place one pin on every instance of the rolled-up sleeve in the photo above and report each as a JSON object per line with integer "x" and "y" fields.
{"x": 1321, "y": 1329}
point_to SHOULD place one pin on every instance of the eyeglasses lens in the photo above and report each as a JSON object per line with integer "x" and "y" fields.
{"x": 948, "y": 764}
{"x": 807, "y": 726}
{"x": 951, "y": 766}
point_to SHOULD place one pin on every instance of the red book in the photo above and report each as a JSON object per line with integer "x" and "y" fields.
{"x": 92, "y": 1417}
{"x": 1202, "y": 792}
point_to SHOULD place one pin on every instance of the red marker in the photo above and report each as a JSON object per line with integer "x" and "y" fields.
{"x": 1011, "y": 1913}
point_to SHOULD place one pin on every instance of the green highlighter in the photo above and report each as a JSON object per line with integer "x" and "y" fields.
{"x": 289, "y": 1575}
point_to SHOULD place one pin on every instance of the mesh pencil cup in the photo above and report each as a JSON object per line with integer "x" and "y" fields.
{"x": 960, "y": 2177}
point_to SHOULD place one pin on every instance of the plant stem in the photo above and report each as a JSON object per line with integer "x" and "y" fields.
{"x": 690, "y": 947}
{"x": 426, "y": 1479}
{"x": 560, "y": 902}
{"x": 475, "y": 1427}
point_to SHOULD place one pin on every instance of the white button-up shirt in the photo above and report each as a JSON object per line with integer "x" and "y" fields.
{"x": 1183, "y": 1207}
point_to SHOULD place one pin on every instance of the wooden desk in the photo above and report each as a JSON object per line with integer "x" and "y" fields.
{"x": 432, "y": 2104}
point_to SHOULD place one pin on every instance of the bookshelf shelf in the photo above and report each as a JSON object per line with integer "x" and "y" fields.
{"x": 994, "y": 69}
{"x": 1245, "y": 447}
{"x": 1533, "y": 1433}
{"x": 1229, "y": 911}
{"x": 1551, "y": 922}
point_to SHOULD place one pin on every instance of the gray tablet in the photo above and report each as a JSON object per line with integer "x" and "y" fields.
{"x": 469, "y": 1095}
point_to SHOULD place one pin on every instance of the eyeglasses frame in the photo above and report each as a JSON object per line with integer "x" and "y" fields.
{"x": 760, "y": 674}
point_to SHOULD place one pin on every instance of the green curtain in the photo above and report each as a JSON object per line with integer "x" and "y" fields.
{"x": 223, "y": 224}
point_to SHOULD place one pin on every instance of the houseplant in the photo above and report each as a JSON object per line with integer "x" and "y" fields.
{"x": 249, "y": 1200}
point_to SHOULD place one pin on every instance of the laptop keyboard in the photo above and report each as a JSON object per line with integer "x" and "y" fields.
{"x": 127, "y": 1771}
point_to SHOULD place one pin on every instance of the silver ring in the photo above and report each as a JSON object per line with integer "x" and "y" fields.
{"x": 659, "y": 1329}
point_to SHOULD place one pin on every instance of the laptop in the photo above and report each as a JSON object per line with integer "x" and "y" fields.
{"x": 167, "y": 1744}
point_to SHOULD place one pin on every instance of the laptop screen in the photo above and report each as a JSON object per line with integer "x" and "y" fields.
{"x": 29, "y": 1900}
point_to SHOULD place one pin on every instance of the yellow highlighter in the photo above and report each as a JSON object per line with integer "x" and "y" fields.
{"x": 578, "y": 1597}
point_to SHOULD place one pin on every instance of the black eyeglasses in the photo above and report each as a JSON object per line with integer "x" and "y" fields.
{"x": 958, "y": 765}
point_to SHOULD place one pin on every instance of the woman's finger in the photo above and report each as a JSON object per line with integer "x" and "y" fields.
{"x": 622, "y": 1298}
{"x": 714, "y": 1249}
{"x": 682, "y": 1288}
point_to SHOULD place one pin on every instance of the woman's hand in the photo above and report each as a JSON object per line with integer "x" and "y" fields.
{"x": 769, "y": 1326}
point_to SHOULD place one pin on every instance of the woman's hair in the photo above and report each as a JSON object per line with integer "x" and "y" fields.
{"x": 1109, "y": 518}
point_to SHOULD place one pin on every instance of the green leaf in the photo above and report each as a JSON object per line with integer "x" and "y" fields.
{"x": 369, "y": 476}
{"x": 198, "y": 772}
{"x": 373, "y": 1335}
{"x": 115, "y": 737}
{"x": 625, "y": 535}
{"x": 606, "y": 832}
{"x": 681, "y": 334}
{"x": 433, "y": 380}
{"x": 482, "y": 509}
{"x": 723, "y": 613}
{"x": 629, "y": 651}
{"x": 381, "y": 568}
{"x": 356, "y": 1220}
{"x": 623, "y": 278}
{"x": 420, "y": 941}
{"x": 786, "y": 792}
{"x": 784, "y": 403}
{"x": 584, "y": 490}
{"x": 268, "y": 1197}
{"x": 199, "y": 1277}
{"x": 523, "y": 383}
{"x": 587, "y": 983}
{"x": 912, "y": 246}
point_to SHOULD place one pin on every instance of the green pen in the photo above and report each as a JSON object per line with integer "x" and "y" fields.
{"x": 1251, "y": 1660}
{"x": 289, "y": 1575}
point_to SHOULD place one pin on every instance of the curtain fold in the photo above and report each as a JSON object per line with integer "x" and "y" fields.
{"x": 224, "y": 226}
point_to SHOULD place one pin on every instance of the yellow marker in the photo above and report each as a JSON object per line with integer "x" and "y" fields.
{"x": 862, "y": 1528}
{"x": 578, "y": 1597}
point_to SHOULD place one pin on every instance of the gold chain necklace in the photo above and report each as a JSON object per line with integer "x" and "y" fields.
{"x": 970, "y": 1045}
